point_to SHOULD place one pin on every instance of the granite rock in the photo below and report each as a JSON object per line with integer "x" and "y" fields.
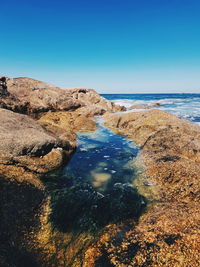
{"x": 25, "y": 143}
{"x": 34, "y": 97}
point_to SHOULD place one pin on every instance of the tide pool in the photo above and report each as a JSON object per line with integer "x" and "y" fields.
{"x": 102, "y": 159}
{"x": 96, "y": 187}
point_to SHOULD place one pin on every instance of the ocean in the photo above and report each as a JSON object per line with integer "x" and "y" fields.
{"x": 186, "y": 106}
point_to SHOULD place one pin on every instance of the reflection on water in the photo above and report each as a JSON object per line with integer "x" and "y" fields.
{"x": 102, "y": 159}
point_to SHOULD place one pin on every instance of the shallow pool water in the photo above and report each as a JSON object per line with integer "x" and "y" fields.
{"x": 102, "y": 159}
{"x": 96, "y": 187}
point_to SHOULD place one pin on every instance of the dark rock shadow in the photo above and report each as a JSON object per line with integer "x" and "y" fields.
{"x": 20, "y": 206}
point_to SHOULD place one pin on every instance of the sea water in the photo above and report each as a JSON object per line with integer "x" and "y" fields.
{"x": 186, "y": 106}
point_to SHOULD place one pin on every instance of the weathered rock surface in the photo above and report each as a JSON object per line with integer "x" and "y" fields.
{"x": 168, "y": 233}
{"x": 40, "y": 96}
{"x": 170, "y": 149}
{"x": 91, "y": 99}
{"x": 145, "y": 125}
{"x": 30, "y": 149}
{"x": 34, "y": 97}
{"x": 27, "y": 150}
{"x": 25, "y": 143}
{"x": 61, "y": 121}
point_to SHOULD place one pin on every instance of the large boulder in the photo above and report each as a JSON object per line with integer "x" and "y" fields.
{"x": 25, "y": 143}
{"x": 144, "y": 126}
{"x": 91, "y": 99}
{"x": 40, "y": 97}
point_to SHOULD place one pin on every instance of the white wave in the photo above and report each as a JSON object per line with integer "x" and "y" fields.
{"x": 165, "y": 101}
{"x": 188, "y": 108}
{"x": 129, "y": 102}
{"x": 124, "y": 102}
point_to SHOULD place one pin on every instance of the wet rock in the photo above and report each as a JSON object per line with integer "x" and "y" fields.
{"x": 136, "y": 106}
{"x": 166, "y": 235}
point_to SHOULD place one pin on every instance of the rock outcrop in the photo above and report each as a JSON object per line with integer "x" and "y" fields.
{"x": 39, "y": 96}
{"x": 26, "y": 144}
{"x": 28, "y": 150}
{"x": 92, "y": 100}
{"x": 32, "y": 97}
{"x": 168, "y": 233}
{"x": 170, "y": 149}
{"x": 74, "y": 121}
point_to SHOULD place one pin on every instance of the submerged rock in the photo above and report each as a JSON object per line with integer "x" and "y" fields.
{"x": 136, "y": 106}
{"x": 77, "y": 206}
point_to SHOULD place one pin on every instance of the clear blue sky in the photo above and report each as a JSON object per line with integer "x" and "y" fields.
{"x": 122, "y": 46}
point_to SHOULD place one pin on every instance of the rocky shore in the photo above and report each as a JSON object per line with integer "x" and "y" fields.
{"x": 168, "y": 233}
{"x": 38, "y": 125}
{"x": 32, "y": 97}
